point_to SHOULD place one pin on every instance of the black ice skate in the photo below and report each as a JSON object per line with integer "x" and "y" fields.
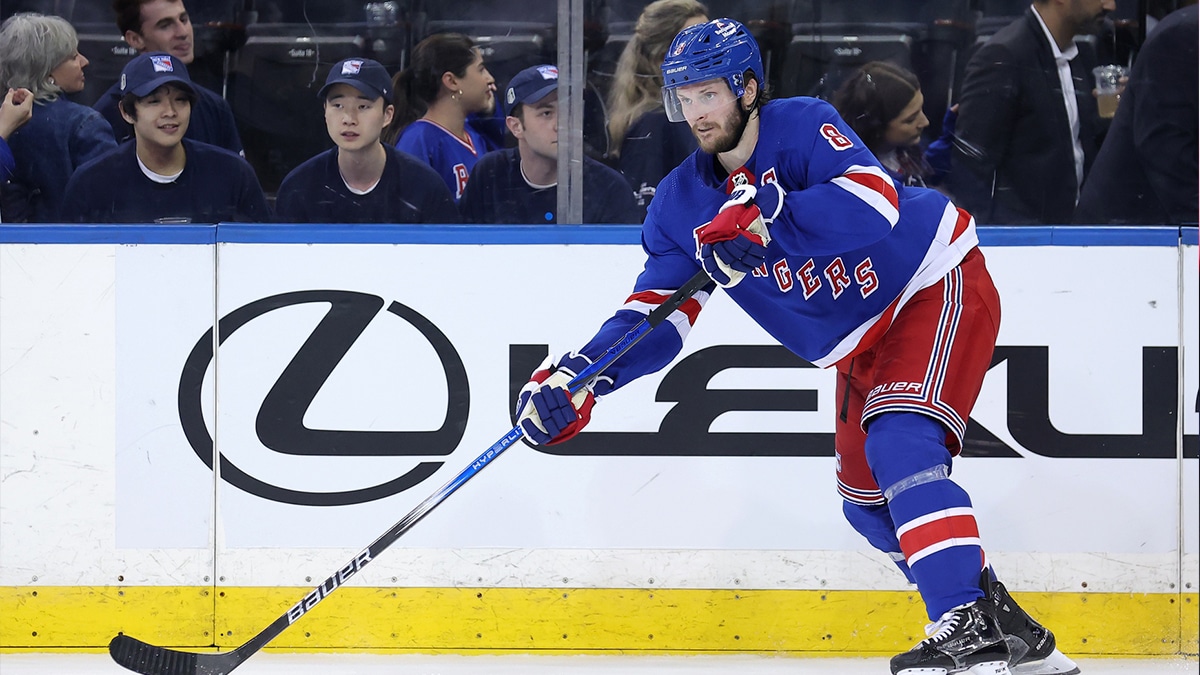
{"x": 967, "y": 639}
{"x": 1031, "y": 643}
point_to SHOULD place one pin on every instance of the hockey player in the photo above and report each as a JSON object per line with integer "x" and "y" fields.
{"x": 792, "y": 215}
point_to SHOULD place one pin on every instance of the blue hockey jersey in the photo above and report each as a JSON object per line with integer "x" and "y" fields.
{"x": 452, "y": 157}
{"x": 848, "y": 245}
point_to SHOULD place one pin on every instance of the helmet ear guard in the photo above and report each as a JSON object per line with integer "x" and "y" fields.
{"x": 721, "y": 48}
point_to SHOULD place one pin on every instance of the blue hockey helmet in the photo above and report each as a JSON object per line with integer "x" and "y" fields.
{"x": 720, "y": 48}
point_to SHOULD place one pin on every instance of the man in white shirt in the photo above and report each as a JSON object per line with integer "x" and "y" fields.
{"x": 1028, "y": 127}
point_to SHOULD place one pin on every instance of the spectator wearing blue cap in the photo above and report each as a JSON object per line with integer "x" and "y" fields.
{"x": 520, "y": 185}
{"x": 162, "y": 176}
{"x": 361, "y": 180}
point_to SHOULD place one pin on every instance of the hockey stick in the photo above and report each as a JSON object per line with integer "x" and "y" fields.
{"x": 148, "y": 659}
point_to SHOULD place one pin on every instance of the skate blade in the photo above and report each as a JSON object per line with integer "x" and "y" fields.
{"x": 1055, "y": 664}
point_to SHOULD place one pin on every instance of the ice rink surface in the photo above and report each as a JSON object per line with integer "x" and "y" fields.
{"x": 271, "y": 663}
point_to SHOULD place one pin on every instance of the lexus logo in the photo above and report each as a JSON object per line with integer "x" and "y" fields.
{"x": 687, "y": 429}
{"x": 279, "y": 423}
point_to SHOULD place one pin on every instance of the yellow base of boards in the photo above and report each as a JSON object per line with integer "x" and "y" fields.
{"x": 833, "y": 623}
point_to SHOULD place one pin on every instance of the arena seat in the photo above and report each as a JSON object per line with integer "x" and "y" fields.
{"x": 273, "y": 87}
{"x": 821, "y": 56}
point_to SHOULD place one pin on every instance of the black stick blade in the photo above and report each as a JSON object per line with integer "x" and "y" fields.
{"x": 150, "y": 660}
{"x": 147, "y": 659}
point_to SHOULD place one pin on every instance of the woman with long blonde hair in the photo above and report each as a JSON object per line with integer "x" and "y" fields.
{"x": 645, "y": 144}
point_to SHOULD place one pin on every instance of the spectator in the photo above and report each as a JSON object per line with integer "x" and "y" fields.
{"x": 519, "y": 185}
{"x": 165, "y": 26}
{"x": 41, "y": 54}
{"x": 161, "y": 176}
{"x": 361, "y": 180}
{"x": 446, "y": 83}
{"x": 15, "y": 111}
{"x": 1027, "y": 121}
{"x": 1146, "y": 170}
{"x": 641, "y": 140}
{"x": 882, "y": 103}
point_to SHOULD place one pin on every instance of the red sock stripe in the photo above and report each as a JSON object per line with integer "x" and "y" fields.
{"x": 943, "y": 529}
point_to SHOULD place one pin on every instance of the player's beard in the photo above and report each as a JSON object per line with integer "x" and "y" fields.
{"x": 730, "y": 140}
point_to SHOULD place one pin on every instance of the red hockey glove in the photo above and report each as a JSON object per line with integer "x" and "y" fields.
{"x": 736, "y": 240}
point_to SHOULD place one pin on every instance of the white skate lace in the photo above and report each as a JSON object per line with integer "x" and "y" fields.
{"x": 942, "y": 628}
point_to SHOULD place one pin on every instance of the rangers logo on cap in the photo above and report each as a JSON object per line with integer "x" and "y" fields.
{"x": 352, "y": 67}
{"x": 162, "y": 64}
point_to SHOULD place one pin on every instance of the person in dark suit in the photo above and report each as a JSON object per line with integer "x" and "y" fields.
{"x": 1146, "y": 171}
{"x": 1027, "y": 120}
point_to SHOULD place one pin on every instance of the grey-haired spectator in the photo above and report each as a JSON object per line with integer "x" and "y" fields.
{"x": 166, "y": 26}
{"x": 361, "y": 180}
{"x": 520, "y": 185}
{"x": 162, "y": 176}
{"x": 41, "y": 53}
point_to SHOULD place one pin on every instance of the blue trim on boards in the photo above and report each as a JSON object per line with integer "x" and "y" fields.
{"x": 479, "y": 235}
{"x": 428, "y": 234}
{"x": 1078, "y": 235}
{"x": 40, "y": 233}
